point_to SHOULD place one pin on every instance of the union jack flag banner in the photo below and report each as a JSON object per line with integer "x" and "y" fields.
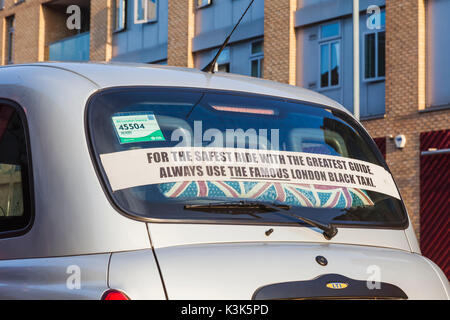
{"x": 303, "y": 195}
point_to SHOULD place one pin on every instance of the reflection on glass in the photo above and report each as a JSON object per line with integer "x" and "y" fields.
{"x": 224, "y": 56}
{"x": 120, "y": 15}
{"x": 381, "y": 54}
{"x": 11, "y": 201}
{"x": 335, "y": 63}
{"x": 369, "y": 51}
{"x": 151, "y": 9}
{"x": 140, "y": 9}
{"x": 257, "y": 47}
{"x": 329, "y": 30}
{"x": 324, "y": 65}
{"x": 254, "y": 68}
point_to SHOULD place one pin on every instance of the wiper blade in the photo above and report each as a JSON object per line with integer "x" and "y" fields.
{"x": 243, "y": 207}
{"x": 329, "y": 230}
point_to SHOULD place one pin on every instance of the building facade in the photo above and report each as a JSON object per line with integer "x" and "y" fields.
{"x": 404, "y": 65}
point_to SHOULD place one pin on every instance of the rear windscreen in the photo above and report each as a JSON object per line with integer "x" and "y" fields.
{"x": 161, "y": 151}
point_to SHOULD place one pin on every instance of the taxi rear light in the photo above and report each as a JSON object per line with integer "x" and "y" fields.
{"x": 114, "y": 295}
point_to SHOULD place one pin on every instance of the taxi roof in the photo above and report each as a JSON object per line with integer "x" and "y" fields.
{"x": 105, "y": 75}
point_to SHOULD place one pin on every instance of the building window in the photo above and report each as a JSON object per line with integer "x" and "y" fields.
{"x": 257, "y": 59}
{"x": 329, "y": 30}
{"x": 330, "y": 55}
{"x": 223, "y": 62}
{"x": 10, "y": 39}
{"x": 145, "y": 11}
{"x": 120, "y": 15}
{"x": 203, "y": 3}
{"x": 2, "y": 4}
{"x": 15, "y": 210}
{"x": 374, "y": 52}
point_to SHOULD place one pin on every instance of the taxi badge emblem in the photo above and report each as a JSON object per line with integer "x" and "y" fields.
{"x": 337, "y": 285}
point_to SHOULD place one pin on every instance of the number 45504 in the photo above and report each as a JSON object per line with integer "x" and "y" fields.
{"x": 131, "y": 126}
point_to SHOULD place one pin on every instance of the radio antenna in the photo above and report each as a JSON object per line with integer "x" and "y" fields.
{"x": 210, "y": 66}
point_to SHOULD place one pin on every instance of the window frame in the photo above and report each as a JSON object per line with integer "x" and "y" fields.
{"x": 145, "y": 20}
{"x": 10, "y": 31}
{"x": 201, "y": 6}
{"x": 27, "y": 179}
{"x": 124, "y": 14}
{"x": 329, "y": 41}
{"x": 259, "y": 56}
{"x": 363, "y": 69}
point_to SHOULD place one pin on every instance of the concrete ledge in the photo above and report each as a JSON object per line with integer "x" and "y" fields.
{"x": 330, "y": 10}
{"x": 215, "y": 38}
{"x": 146, "y": 55}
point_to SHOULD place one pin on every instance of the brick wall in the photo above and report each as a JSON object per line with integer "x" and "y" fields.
{"x": 101, "y": 30}
{"x": 405, "y": 97}
{"x": 37, "y": 26}
{"x": 180, "y": 33}
{"x": 280, "y": 41}
{"x": 26, "y": 17}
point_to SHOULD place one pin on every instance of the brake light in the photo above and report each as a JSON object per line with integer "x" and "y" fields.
{"x": 114, "y": 295}
{"x": 244, "y": 110}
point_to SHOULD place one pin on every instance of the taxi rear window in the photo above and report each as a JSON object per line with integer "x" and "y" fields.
{"x": 162, "y": 150}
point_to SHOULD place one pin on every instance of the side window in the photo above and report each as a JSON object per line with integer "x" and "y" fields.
{"x": 223, "y": 62}
{"x": 330, "y": 53}
{"x": 257, "y": 59}
{"x": 145, "y": 11}
{"x": 203, "y": 3}
{"x": 120, "y": 15}
{"x": 374, "y": 52}
{"x": 15, "y": 204}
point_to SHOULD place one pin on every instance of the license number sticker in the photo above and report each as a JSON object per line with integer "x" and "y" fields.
{"x": 137, "y": 127}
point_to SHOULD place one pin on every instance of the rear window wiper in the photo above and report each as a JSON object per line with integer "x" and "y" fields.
{"x": 244, "y": 207}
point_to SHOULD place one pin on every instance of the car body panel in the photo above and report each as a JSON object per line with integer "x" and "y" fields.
{"x": 124, "y": 74}
{"x": 78, "y": 277}
{"x": 136, "y": 273}
{"x": 237, "y": 270}
{"x": 72, "y": 213}
{"x": 167, "y": 235}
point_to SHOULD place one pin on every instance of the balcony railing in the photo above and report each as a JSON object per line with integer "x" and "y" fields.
{"x": 75, "y": 48}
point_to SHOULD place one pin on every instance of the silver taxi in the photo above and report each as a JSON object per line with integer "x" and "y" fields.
{"x": 152, "y": 182}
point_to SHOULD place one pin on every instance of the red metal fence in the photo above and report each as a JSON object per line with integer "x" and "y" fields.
{"x": 435, "y": 197}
